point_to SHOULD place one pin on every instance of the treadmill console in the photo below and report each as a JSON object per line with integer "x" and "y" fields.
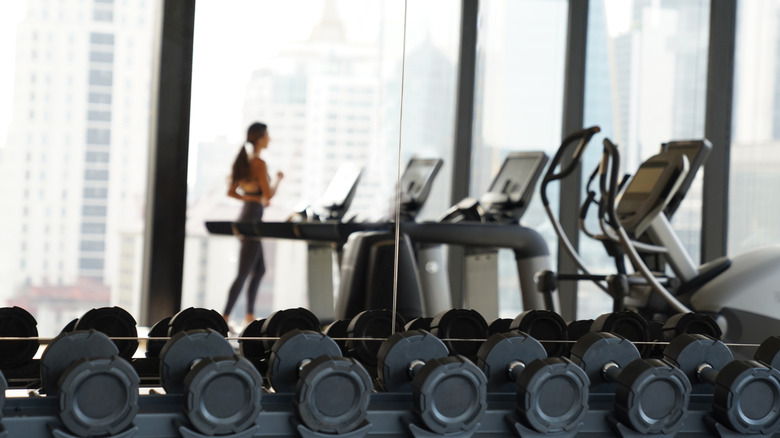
{"x": 416, "y": 183}
{"x": 512, "y": 188}
{"x": 650, "y": 191}
{"x": 697, "y": 152}
{"x": 337, "y": 198}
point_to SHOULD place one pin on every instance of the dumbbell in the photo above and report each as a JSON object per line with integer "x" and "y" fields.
{"x": 337, "y": 330}
{"x": 552, "y": 393}
{"x": 499, "y": 325}
{"x": 454, "y": 326}
{"x": 158, "y": 330}
{"x": 365, "y": 334}
{"x": 421, "y": 323}
{"x": 18, "y": 323}
{"x": 331, "y": 392}
{"x": 113, "y": 322}
{"x": 575, "y": 329}
{"x": 276, "y": 325}
{"x": 746, "y": 394}
{"x": 693, "y": 323}
{"x": 195, "y": 318}
{"x": 449, "y": 393}
{"x": 97, "y": 389}
{"x": 545, "y": 325}
{"x": 222, "y": 391}
{"x": 626, "y": 324}
{"x": 651, "y": 396}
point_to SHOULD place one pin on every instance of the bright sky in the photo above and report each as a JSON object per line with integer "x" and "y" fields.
{"x": 13, "y": 13}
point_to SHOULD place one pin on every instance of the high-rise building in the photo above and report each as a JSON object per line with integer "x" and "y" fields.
{"x": 73, "y": 169}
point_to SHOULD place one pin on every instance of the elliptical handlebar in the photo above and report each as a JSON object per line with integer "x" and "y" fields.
{"x": 610, "y": 189}
{"x": 584, "y": 136}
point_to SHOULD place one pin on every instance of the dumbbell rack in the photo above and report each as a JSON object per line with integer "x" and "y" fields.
{"x": 161, "y": 416}
{"x": 388, "y": 414}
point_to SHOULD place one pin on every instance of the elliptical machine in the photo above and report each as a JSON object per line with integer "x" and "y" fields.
{"x": 742, "y": 293}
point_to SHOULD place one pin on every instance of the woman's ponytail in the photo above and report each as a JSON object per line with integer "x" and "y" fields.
{"x": 241, "y": 170}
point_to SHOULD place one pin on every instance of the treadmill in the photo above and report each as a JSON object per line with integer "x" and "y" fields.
{"x": 480, "y": 225}
{"x": 324, "y": 230}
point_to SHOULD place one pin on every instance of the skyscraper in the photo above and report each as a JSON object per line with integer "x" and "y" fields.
{"x": 73, "y": 169}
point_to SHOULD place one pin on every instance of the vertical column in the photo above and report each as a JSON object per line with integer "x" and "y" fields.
{"x": 167, "y": 186}
{"x": 717, "y": 128}
{"x": 573, "y": 117}
{"x": 464, "y": 122}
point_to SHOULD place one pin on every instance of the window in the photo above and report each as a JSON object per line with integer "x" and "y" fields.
{"x": 518, "y": 106}
{"x": 66, "y": 160}
{"x": 304, "y": 75}
{"x": 753, "y": 213}
{"x": 644, "y": 88}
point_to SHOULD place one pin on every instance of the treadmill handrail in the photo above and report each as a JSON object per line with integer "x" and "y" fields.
{"x": 525, "y": 241}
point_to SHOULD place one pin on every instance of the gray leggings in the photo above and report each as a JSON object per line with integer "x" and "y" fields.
{"x": 250, "y": 262}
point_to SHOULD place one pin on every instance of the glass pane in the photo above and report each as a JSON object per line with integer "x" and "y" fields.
{"x": 74, "y": 140}
{"x": 326, "y": 78}
{"x": 645, "y": 85}
{"x": 753, "y": 212}
{"x": 518, "y": 106}
{"x": 429, "y": 92}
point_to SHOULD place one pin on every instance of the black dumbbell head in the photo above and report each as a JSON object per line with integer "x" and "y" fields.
{"x": 370, "y": 324}
{"x": 184, "y": 350}
{"x": 98, "y": 396}
{"x": 694, "y": 323}
{"x": 626, "y": 324}
{"x": 223, "y": 395}
{"x": 450, "y": 394}
{"x": 17, "y": 322}
{"x": 460, "y": 324}
{"x": 158, "y": 330}
{"x": 333, "y": 394}
{"x": 544, "y": 325}
{"x": 421, "y": 323}
{"x": 575, "y": 329}
{"x": 338, "y": 329}
{"x": 503, "y": 350}
{"x": 284, "y": 321}
{"x": 114, "y": 322}
{"x": 593, "y": 352}
{"x": 746, "y": 398}
{"x": 690, "y": 352}
{"x": 552, "y": 395}
{"x": 292, "y": 352}
{"x": 71, "y": 326}
{"x": 194, "y": 318}
{"x": 248, "y": 347}
{"x": 499, "y": 325}
{"x": 68, "y": 348}
{"x": 768, "y": 352}
{"x": 400, "y": 351}
{"x": 652, "y": 397}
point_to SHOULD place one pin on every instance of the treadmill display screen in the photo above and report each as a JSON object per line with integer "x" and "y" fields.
{"x": 418, "y": 175}
{"x": 645, "y": 180}
{"x": 514, "y": 176}
{"x": 341, "y": 186}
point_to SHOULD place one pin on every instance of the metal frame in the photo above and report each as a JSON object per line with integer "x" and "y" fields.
{"x": 389, "y": 415}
